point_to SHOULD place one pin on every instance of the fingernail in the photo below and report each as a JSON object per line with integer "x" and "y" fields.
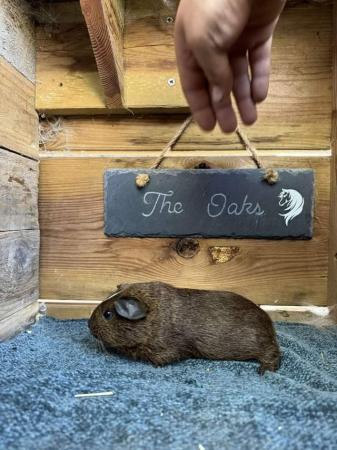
{"x": 217, "y": 94}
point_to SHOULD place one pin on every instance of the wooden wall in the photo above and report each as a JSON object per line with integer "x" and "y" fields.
{"x": 78, "y": 262}
{"x": 332, "y": 276}
{"x": 19, "y": 230}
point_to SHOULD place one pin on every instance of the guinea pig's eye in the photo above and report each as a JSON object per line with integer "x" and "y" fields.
{"x": 108, "y": 315}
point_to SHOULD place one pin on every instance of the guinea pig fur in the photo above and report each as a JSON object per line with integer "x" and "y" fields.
{"x": 162, "y": 324}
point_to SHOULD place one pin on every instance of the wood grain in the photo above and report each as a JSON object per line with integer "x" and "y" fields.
{"x": 18, "y": 192}
{"x": 66, "y": 72}
{"x": 19, "y": 262}
{"x": 152, "y": 133}
{"x": 18, "y": 322}
{"x": 78, "y": 261}
{"x": 17, "y": 36}
{"x": 105, "y": 22}
{"x": 299, "y": 314}
{"x": 19, "y": 121}
{"x": 332, "y": 285}
{"x": 70, "y": 312}
{"x": 300, "y": 86}
{"x": 298, "y": 107}
{"x": 53, "y": 12}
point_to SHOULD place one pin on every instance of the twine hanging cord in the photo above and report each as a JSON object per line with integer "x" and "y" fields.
{"x": 143, "y": 178}
{"x": 271, "y": 175}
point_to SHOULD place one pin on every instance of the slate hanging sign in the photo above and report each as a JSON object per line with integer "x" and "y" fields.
{"x": 209, "y": 203}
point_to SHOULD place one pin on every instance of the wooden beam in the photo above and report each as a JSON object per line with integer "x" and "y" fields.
{"x": 301, "y": 61}
{"x": 19, "y": 121}
{"x": 19, "y": 260}
{"x": 19, "y": 321}
{"x": 18, "y": 192}
{"x": 79, "y": 261}
{"x": 67, "y": 77}
{"x": 68, "y": 82}
{"x": 77, "y": 309}
{"x": 332, "y": 291}
{"x": 151, "y": 133}
{"x": 17, "y": 37}
{"x": 105, "y": 22}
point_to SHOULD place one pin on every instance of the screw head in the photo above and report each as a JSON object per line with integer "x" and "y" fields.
{"x": 171, "y": 82}
{"x": 169, "y": 19}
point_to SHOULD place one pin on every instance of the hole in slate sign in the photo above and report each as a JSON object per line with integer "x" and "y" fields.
{"x": 187, "y": 248}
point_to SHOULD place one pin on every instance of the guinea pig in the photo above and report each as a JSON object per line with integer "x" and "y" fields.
{"x": 159, "y": 323}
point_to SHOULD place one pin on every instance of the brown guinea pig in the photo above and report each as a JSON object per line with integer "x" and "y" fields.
{"x": 159, "y": 323}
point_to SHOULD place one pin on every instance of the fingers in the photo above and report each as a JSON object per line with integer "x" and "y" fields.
{"x": 259, "y": 59}
{"x": 210, "y": 74}
{"x": 225, "y": 115}
{"x": 218, "y": 71}
{"x": 194, "y": 83}
{"x": 242, "y": 89}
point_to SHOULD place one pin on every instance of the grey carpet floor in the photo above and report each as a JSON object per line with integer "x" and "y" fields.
{"x": 196, "y": 404}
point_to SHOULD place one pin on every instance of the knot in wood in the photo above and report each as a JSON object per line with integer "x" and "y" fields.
{"x": 142, "y": 180}
{"x": 202, "y": 165}
{"x": 187, "y": 248}
{"x": 221, "y": 255}
{"x": 271, "y": 176}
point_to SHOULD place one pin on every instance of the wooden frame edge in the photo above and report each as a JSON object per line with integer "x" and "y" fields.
{"x": 82, "y": 309}
{"x": 332, "y": 275}
{"x": 19, "y": 321}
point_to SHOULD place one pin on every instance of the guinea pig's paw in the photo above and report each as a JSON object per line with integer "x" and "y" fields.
{"x": 270, "y": 366}
{"x": 262, "y": 370}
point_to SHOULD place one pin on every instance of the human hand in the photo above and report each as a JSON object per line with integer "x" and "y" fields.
{"x": 223, "y": 47}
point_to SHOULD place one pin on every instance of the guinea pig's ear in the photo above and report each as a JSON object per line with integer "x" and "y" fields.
{"x": 130, "y": 308}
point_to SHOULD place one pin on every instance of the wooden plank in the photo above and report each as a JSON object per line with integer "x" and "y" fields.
{"x": 19, "y": 121}
{"x": 61, "y": 311}
{"x": 152, "y": 133}
{"x": 79, "y": 261}
{"x": 18, "y": 322}
{"x": 51, "y": 12}
{"x": 298, "y": 108}
{"x": 18, "y": 192}
{"x": 19, "y": 262}
{"x": 66, "y": 72}
{"x": 332, "y": 286}
{"x": 300, "y": 87}
{"x": 296, "y": 314}
{"x": 105, "y": 22}
{"x": 17, "y": 36}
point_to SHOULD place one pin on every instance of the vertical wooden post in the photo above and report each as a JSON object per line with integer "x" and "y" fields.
{"x": 332, "y": 279}
{"x": 19, "y": 172}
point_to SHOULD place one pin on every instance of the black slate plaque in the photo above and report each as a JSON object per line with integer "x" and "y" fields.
{"x": 209, "y": 203}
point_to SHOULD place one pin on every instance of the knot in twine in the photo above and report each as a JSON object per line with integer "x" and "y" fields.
{"x": 271, "y": 176}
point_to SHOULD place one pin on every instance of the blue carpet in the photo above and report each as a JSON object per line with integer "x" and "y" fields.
{"x": 191, "y": 405}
